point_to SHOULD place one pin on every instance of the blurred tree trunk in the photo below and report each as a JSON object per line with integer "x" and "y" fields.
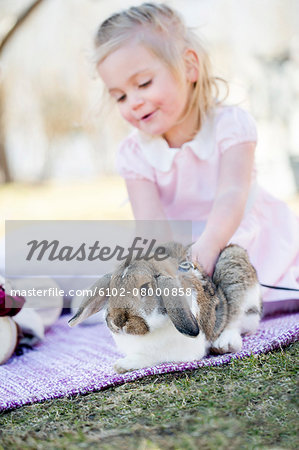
{"x": 3, "y": 159}
{"x": 4, "y": 166}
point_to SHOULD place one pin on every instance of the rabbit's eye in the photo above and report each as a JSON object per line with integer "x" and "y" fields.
{"x": 145, "y": 290}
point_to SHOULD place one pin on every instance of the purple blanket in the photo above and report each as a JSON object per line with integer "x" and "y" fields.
{"x": 80, "y": 360}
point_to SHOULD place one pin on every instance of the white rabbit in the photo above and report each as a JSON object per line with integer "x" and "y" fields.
{"x": 159, "y": 313}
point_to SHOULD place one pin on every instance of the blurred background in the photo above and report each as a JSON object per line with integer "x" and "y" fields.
{"x": 57, "y": 146}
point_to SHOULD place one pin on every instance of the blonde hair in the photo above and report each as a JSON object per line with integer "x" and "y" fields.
{"x": 162, "y": 31}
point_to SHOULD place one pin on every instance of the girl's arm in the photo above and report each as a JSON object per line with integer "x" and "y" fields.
{"x": 146, "y": 205}
{"x": 145, "y": 200}
{"x": 229, "y": 205}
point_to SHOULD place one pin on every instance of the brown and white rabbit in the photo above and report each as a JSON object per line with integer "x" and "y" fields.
{"x": 159, "y": 313}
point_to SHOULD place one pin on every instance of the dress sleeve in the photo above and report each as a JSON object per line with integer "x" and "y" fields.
{"x": 234, "y": 126}
{"x": 130, "y": 162}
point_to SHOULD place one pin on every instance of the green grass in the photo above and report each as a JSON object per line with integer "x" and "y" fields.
{"x": 250, "y": 404}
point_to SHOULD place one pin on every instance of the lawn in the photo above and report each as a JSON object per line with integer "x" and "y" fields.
{"x": 100, "y": 199}
{"x": 251, "y": 403}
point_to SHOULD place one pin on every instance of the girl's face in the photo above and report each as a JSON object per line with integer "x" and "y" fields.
{"x": 148, "y": 95}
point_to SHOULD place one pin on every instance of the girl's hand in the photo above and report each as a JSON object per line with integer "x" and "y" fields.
{"x": 206, "y": 254}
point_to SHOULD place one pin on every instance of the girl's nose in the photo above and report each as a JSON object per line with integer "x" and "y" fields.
{"x": 136, "y": 102}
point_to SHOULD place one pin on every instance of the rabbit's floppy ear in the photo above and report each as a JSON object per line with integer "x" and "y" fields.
{"x": 91, "y": 305}
{"x": 177, "y": 307}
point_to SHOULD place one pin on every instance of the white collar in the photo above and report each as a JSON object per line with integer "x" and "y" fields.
{"x": 159, "y": 155}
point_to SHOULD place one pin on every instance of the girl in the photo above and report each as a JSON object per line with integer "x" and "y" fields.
{"x": 190, "y": 157}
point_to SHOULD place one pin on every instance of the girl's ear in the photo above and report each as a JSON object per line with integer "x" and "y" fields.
{"x": 191, "y": 65}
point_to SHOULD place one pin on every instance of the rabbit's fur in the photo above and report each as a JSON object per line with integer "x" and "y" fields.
{"x": 170, "y": 328}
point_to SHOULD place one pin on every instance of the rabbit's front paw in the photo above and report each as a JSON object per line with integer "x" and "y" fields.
{"x": 229, "y": 341}
{"x": 127, "y": 364}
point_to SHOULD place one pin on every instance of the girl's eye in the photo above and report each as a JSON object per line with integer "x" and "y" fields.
{"x": 121, "y": 99}
{"x": 147, "y": 83}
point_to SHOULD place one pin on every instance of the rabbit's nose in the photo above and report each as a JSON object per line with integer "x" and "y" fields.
{"x": 120, "y": 320}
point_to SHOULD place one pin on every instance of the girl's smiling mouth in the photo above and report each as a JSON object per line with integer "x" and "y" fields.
{"x": 147, "y": 117}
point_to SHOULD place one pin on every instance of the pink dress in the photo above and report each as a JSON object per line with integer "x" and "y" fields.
{"x": 186, "y": 178}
